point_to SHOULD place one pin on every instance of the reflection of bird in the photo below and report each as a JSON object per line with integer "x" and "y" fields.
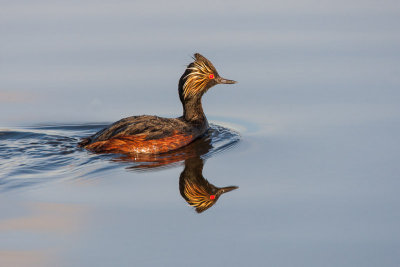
{"x": 195, "y": 189}
{"x": 154, "y": 135}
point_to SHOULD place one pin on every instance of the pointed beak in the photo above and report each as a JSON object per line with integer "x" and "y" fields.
{"x": 228, "y": 189}
{"x": 225, "y": 81}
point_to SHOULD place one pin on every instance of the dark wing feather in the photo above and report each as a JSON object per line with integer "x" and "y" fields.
{"x": 152, "y": 127}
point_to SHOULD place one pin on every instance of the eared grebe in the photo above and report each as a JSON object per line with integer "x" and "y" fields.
{"x": 155, "y": 135}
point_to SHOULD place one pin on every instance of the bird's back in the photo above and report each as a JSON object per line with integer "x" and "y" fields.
{"x": 143, "y": 134}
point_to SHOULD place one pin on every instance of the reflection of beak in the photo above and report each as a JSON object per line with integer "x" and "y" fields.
{"x": 228, "y": 188}
{"x": 225, "y": 81}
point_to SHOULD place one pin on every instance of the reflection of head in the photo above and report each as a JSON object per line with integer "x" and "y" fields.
{"x": 195, "y": 189}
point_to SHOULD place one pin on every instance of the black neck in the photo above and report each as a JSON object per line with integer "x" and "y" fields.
{"x": 193, "y": 111}
{"x": 192, "y": 108}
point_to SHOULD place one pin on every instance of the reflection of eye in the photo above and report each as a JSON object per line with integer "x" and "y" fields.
{"x": 211, "y": 76}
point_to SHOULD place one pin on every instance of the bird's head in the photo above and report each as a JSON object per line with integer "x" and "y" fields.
{"x": 199, "y": 76}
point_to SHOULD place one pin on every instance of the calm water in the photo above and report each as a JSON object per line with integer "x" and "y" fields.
{"x": 48, "y": 152}
{"x": 310, "y": 135}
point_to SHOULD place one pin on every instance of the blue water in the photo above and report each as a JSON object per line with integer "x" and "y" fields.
{"x": 322, "y": 197}
{"x": 35, "y": 154}
{"x": 310, "y": 133}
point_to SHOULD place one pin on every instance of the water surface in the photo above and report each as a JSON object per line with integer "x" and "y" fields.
{"x": 316, "y": 110}
{"x": 48, "y": 152}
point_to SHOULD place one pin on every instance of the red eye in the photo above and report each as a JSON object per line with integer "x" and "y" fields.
{"x": 211, "y": 76}
{"x": 212, "y": 196}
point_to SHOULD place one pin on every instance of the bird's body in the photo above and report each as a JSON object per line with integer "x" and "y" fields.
{"x": 154, "y": 135}
{"x": 144, "y": 134}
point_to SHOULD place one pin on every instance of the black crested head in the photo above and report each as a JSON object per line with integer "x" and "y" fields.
{"x": 199, "y": 76}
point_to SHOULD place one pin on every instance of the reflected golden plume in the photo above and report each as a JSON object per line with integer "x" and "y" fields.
{"x": 195, "y": 189}
{"x": 197, "y": 196}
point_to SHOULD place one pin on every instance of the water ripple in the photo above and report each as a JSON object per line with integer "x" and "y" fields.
{"x": 35, "y": 154}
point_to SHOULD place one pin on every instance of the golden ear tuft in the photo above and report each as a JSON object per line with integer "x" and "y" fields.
{"x": 201, "y": 72}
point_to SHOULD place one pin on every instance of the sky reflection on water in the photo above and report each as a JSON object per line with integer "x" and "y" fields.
{"x": 317, "y": 107}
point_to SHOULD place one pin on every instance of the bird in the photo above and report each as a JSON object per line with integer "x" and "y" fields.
{"x": 195, "y": 189}
{"x": 149, "y": 162}
{"x": 147, "y": 134}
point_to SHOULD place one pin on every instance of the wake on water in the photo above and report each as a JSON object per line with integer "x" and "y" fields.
{"x": 32, "y": 155}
